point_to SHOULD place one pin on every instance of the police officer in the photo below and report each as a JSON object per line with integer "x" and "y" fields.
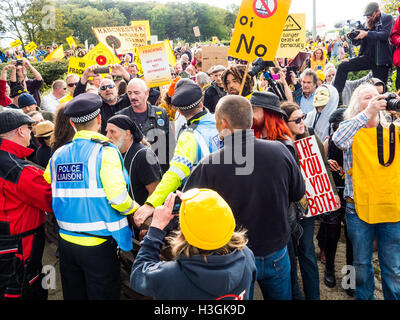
{"x": 90, "y": 202}
{"x": 152, "y": 120}
{"x": 198, "y": 139}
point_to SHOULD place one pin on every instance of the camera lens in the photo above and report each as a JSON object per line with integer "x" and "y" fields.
{"x": 393, "y": 104}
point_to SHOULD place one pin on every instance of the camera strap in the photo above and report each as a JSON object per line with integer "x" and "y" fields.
{"x": 392, "y": 145}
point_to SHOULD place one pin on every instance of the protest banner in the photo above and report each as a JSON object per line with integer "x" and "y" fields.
{"x": 30, "y": 47}
{"x": 71, "y": 41}
{"x": 319, "y": 191}
{"x": 293, "y": 38}
{"x": 15, "y": 43}
{"x": 144, "y": 23}
{"x": 78, "y": 65}
{"x": 196, "y": 31}
{"x": 212, "y": 56}
{"x": 155, "y": 65}
{"x": 258, "y": 29}
{"x": 121, "y": 39}
{"x": 57, "y": 54}
{"x": 101, "y": 55}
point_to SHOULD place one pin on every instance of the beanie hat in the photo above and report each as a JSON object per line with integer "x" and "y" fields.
{"x": 25, "y": 100}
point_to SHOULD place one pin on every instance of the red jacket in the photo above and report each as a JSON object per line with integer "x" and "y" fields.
{"x": 4, "y": 100}
{"x": 395, "y": 38}
{"x": 24, "y": 195}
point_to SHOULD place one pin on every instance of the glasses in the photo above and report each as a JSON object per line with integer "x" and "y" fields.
{"x": 298, "y": 120}
{"x": 72, "y": 84}
{"x": 107, "y": 86}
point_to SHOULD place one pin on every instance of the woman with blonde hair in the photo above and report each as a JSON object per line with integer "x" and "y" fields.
{"x": 210, "y": 260}
{"x": 317, "y": 59}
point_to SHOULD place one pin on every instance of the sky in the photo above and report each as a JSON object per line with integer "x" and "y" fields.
{"x": 329, "y": 12}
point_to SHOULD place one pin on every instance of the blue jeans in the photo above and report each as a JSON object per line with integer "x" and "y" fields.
{"x": 273, "y": 276}
{"x": 308, "y": 263}
{"x": 387, "y": 236}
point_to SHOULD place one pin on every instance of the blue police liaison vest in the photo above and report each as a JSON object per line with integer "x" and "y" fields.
{"x": 79, "y": 200}
{"x": 207, "y": 137}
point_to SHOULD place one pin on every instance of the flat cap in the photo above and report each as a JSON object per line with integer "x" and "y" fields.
{"x": 217, "y": 68}
{"x": 187, "y": 95}
{"x": 267, "y": 100}
{"x": 84, "y": 107}
{"x": 12, "y": 119}
{"x": 371, "y": 8}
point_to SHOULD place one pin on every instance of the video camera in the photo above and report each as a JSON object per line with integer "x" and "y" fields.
{"x": 357, "y": 26}
{"x": 259, "y": 65}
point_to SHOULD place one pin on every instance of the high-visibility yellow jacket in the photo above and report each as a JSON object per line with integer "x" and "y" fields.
{"x": 113, "y": 182}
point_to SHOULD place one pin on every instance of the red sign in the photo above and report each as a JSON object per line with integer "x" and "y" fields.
{"x": 265, "y": 8}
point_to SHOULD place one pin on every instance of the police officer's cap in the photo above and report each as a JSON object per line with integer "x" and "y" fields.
{"x": 187, "y": 95}
{"x": 84, "y": 107}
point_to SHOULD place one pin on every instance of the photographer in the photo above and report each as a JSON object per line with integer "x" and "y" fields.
{"x": 108, "y": 91}
{"x": 371, "y": 189}
{"x": 375, "y": 53}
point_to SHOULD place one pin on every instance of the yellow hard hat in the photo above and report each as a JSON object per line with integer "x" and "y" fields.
{"x": 206, "y": 220}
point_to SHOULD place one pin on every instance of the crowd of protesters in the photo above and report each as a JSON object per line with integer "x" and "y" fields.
{"x": 109, "y": 158}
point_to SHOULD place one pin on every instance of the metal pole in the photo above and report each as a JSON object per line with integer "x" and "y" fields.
{"x": 314, "y": 30}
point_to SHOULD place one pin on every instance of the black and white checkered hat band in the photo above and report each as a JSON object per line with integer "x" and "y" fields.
{"x": 86, "y": 118}
{"x": 191, "y": 106}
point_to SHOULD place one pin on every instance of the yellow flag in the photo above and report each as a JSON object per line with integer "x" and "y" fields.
{"x": 57, "y": 54}
{"x": 170, "y": 53}
{"x": 136, "y": 60}
{"x": 101, "y": 55}
{"x": 71, "y": 41}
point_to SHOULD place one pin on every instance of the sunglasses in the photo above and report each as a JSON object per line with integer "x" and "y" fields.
{"x": 72, "y": 84}
{"x": 107, "y": 86}
{"x": 298, "y": 120}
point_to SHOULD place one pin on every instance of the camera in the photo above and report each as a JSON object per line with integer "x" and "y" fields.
{"x": 19, "y": 62}
{"x": 392, "y": 103}
{"x": 354, "y": 33}
{"x": 260, "y": 65}
{"x": 102, "y": 70}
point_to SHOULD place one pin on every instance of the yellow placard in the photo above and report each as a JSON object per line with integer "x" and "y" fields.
{"x": 71, "y": 41}
{"x": 144, "y": 23}
{"x": 121, "y": 39}
{"x": 293, "y": 38}
{"x": 155, "y": 65}
{"x": 78, "y": 65}
{"x": 30, "y": 47}
{"x": 258, "y": 29}
{"x": 15, "y": 43}
{"x": 215, "y": 40}
{"x": 101, "y": 55}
